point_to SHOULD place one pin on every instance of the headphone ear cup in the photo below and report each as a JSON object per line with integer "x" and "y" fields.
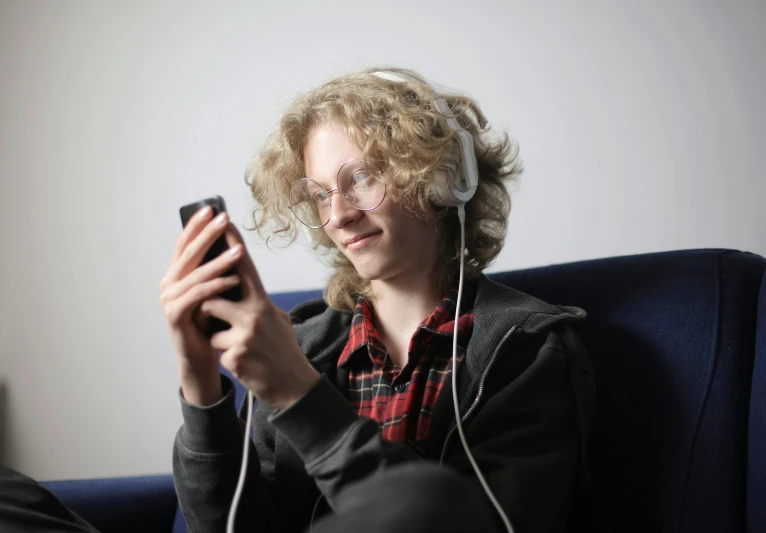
{"x": 441, "y": 191}
{"x": 443, "y": 188}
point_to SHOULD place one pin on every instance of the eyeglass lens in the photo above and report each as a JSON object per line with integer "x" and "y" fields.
{"x": 360, "y": 184}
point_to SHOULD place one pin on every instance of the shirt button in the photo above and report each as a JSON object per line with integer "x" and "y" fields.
{"x": 399, "y": 387}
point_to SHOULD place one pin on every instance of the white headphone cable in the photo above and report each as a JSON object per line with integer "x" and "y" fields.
{"x": 508, "y": 526}
{"x": 245, "y": 453}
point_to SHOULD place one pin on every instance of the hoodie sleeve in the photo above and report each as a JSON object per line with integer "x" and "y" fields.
{"x": 337, "y": 446}
{"x": 207, "y": 457}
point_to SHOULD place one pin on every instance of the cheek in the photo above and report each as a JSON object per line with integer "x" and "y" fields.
{"x": 418, "y": 234}
{"x": 324, "y": 237}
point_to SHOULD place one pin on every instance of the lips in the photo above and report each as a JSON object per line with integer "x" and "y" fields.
{"x": 361, "y": 240}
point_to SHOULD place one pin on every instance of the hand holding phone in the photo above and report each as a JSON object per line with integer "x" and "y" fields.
{"x": 217, "y": 248}
{"x": 264, "y": 354}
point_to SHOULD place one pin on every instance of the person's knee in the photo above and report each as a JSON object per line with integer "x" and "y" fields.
{"x": 25, "y": 505}
{"x": 445, "y": 486}
{"x": 439, "y": 483}
{"x": 422, "y": 495}
{"x": 15, "y": 485}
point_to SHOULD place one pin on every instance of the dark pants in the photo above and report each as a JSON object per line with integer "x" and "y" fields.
{"x": 414, "y": 497}
{"x": 27, "y": 507}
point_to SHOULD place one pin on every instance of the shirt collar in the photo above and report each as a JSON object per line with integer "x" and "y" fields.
{"x": 439, "y": 322}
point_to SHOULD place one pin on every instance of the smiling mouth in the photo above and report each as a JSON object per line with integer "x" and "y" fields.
{"x": 362, "y": 241}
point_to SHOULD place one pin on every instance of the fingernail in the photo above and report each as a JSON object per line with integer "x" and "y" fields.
{"x": 235, "y": 250}
{"x": 220, "y": 219}
{"x": 205, "y": 212}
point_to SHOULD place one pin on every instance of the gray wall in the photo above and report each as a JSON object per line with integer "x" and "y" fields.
{"x": 641, "y": 125}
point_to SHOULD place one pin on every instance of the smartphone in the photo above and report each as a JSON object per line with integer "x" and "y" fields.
{"x": 217, "y": 248}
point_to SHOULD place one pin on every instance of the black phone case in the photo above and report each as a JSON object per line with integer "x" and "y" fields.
{"x": 218, "y": 247}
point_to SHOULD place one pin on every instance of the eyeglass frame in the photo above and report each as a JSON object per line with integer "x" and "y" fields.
{"x": 337, "y": 189}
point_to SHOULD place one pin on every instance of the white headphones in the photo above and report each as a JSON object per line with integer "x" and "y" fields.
{"x": 455, "y": 190}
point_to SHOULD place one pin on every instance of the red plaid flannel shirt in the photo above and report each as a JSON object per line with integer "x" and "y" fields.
{"x": 401, "y": 400}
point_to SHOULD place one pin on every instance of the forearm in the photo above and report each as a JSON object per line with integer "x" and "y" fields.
{"x": 337, "y": 446}
{"x": 201, "y": 390}
{"x": 207, "y": 458}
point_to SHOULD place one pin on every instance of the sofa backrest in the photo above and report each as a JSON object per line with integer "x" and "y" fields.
{"x": 756, "y": 462}
{"x": 672, "y": 339}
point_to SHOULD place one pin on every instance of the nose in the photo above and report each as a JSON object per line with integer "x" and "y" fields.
{"x": 341, "y": 213}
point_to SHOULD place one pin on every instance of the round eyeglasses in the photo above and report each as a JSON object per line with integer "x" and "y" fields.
{"x": 360, "y": 184}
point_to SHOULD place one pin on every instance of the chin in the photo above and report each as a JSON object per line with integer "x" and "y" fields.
{"x": 369, "y": 271}
{"x": 369, "y": 274}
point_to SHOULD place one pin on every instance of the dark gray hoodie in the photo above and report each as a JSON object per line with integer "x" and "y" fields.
{"x": 526, "y": 387}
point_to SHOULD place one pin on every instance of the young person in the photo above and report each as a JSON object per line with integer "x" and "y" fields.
{"x": 354, "y": 426}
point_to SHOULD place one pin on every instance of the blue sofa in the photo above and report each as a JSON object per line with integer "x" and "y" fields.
{"x": 678, "y": 342}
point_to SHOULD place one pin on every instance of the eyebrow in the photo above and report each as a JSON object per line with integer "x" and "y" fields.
{"x": 336, "y": 173}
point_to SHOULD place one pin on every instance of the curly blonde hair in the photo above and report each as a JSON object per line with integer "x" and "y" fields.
{"x": 396, "y": 123}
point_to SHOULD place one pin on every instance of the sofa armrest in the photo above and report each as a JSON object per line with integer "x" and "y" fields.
{"x": 756, "y": 462}
{"x": 116, "y": 505}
